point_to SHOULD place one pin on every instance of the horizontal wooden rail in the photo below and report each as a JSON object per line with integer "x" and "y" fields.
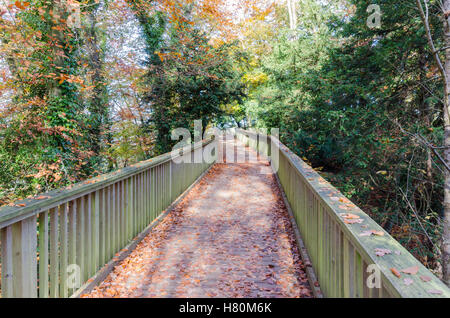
{"x": 51, "y": 247}
{"x": 343, "y": 255}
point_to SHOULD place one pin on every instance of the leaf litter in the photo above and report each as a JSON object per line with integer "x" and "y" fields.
{"x": 216, "y": 246}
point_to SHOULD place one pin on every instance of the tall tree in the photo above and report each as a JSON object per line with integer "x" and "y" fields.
{"x": 99, "y": 125}
{"x": 444, "y": 69}
{"x": 292, "y": 14}
{"x": 188, "y": 78}
{"x": 355, "y": 102}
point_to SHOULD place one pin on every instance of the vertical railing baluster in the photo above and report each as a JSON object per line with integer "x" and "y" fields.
{"x": 346, "y": 261}
{"x": 148, "y": 194}
{"x": 54, "y": 253}
{"x": 136, "y": 206}
{"x": 80, "y": 236}
{"x": 158, "y": 191}
{"x": 102, "y": 228}
{"x": 117, "y": 218}
{"x": 95, "y": 232}
{"x": 130, "y": 207}
{"x": 43, "y": 255}
{"x": 171, "y": 182}
{"x": 359, "y": 283}
{"x": 88, "y": 240}
{"x": 73, "y": 244}
{"x": 7, "y": 262}
{"x": 108, "y": 208}
{"x": 63, "y": 227}
{"x": 139, "y": 204}
{"x": 113, "y": 220}
{"x": 124, "y": 221}
{"x": 153, "y": 193}
{"x": 142, "y": 201}
{"x": 123, "y": 206}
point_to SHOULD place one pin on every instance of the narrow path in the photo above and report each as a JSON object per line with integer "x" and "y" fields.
{"x": 229, "y": 237}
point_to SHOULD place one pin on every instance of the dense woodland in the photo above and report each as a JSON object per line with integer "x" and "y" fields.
{"x": 91, "y": 86}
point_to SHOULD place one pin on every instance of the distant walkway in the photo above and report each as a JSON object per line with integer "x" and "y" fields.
{"x": 229, "y": 237}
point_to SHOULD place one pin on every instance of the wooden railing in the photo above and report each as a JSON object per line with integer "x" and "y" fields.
{"x": 343, "y": 255}
{"x": 50, "y": 247}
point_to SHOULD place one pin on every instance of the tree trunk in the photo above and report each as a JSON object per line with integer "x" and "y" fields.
{"x": 422, "y": 96}
{"x": 446, "y": 219}
{"x": 59, "y": 13}
{"x": 444, "y": 69}
{"x": 98, "y": 106}
{"x": 292, "y": 14}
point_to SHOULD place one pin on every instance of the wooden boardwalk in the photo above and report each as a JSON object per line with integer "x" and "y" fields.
{"x": 229, "y": 237}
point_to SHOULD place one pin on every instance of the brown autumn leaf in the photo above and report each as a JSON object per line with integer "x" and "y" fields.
{"x": 396, "y": 272}
{"x": 354, "y": 221}
{"x": 411, "y": 270}
{"x": 42, "y": 197}
{"x": 372, "y": 232}
{"x": 425, "y": 278}
{"x": 382, "y": 251}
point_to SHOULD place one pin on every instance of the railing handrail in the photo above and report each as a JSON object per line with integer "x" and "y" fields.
{"x": 25, "y": 208}
{"x": 335, "y": 201}
{"x": 78, "y": 230}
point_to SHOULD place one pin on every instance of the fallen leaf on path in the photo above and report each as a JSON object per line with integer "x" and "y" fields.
{"x": 382, "y": 251}
{"x": 396, "y": 272}
{"x": 357, "y": 221}
{"x": 425, "y": 278}
{"x": 43, "y": 197}
{"x": 372, "y": 232}
{"x": 411, "y": 270}
{"x": 351, "y": 216}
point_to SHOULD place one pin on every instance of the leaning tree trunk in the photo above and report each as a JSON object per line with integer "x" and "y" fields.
{"x": 444, "y": 69}
{"x": 446, "y": 223}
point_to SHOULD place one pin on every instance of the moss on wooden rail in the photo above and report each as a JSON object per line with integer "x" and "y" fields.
{"x": 340, "y": 249}
{"x": 25, "y": 208}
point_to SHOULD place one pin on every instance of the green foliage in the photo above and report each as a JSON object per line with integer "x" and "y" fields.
{"x": 46, "y": 136}
{"x": 188, "y": 78}
{"x": 339, "y": 91}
